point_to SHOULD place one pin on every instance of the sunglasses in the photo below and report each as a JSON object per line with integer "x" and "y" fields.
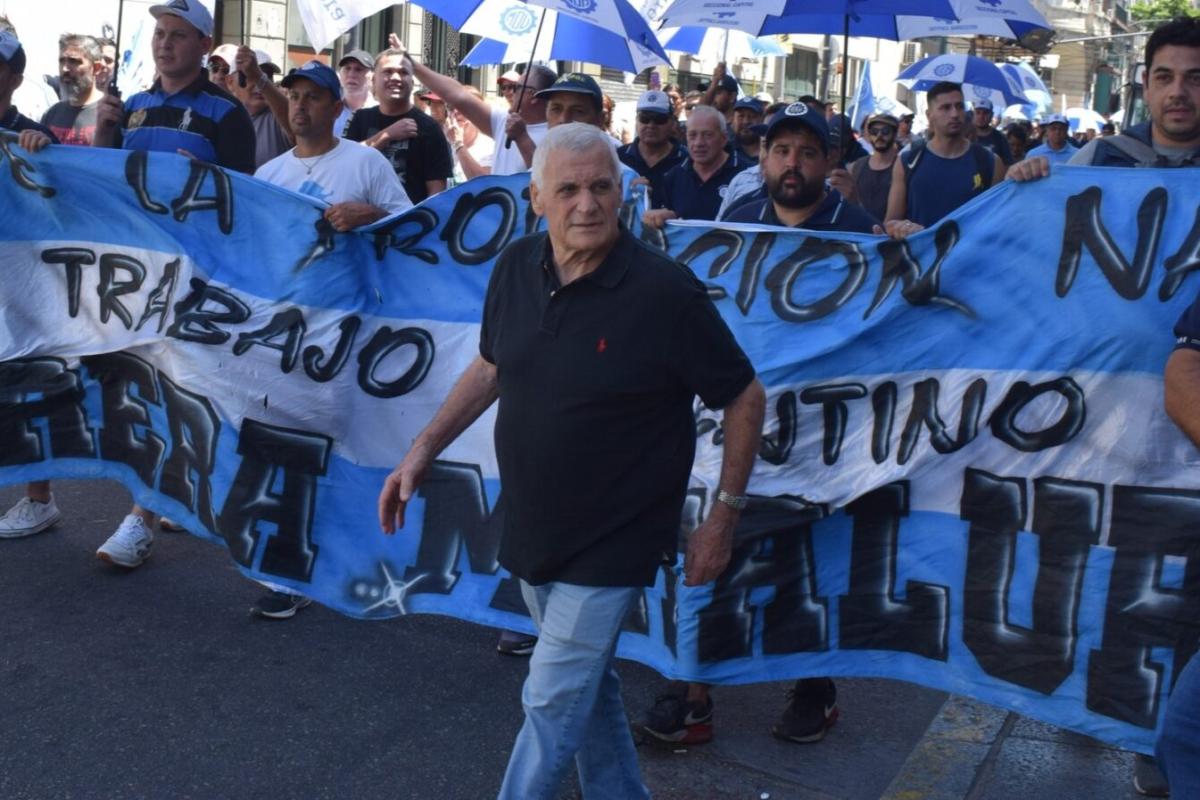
{"x": 879, "y": 130}
{"x": 216, "y": 69}
{"x": 650, "y": 118}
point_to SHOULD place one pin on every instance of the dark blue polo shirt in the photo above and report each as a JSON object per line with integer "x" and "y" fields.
{"x": 834, "y": 214}
{"x": 1187, "y": 330}
{"x": 595, "y": 432}
{"x": 15, "y": 121}
{"x": 632, "y": 157}
{"x": 689, "y": 197}
{"x": 201, "y": 118}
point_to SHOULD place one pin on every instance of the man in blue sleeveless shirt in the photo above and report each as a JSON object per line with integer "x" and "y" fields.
{"x": 932, "y": 179}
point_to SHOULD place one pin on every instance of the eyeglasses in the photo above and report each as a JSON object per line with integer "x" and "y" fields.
{"x": 507, "y": 88}
{"x": 878, "y": 130}
{"x": 650, "y": 118}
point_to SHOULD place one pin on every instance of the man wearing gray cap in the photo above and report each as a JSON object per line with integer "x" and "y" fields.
{"x": 656, "y": 148}
{"x": 355, "y": 72}
{"x": 988, "y": 136}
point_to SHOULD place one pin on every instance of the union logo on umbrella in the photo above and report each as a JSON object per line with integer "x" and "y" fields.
{"x": 518, "y": 20}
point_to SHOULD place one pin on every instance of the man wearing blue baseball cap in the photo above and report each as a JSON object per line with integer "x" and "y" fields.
{"x": 12, "y": 74}
{"x": 747, "y": 133}
{"x": 574, "y": 97}
{"x": 183, "y": 111}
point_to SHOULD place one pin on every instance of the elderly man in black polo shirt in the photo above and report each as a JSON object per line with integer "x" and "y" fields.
{"x": 596, "y": 346}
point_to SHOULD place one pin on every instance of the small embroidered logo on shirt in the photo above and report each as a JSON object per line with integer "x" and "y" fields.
{"x": 601, "y": 345}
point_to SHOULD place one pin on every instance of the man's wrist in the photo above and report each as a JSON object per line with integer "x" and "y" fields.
{"x": 736, "y": 502}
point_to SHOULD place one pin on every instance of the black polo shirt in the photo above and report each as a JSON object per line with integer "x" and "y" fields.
{"x": 691, "y": 198}
{"x": 595, "y": 433}
{"x": 13, "y": 120}
{"x": 833, "y": 214}
{"x": 632, "y": 157}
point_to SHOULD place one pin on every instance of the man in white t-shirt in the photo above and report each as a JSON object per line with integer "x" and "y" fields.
{"x": 357, "y": 182}
{"x": 517, "y": 131}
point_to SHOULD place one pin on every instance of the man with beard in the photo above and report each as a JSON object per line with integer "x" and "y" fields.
{"x": 80, "y": 69}
{"x": 407, "y": 136}
{"x": 354, "y": 71}
{"x": 747, "y": 117}
{"x": 871, "y": 176}
{"x": 794, "y": 167}
{"x": 932, "y": 178}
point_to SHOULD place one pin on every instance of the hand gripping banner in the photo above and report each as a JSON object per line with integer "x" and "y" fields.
{"x": 966, "y": 478}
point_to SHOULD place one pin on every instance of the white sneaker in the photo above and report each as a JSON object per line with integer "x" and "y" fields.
{"x": 129, "y": 546}
{"x": 28, "y": 517}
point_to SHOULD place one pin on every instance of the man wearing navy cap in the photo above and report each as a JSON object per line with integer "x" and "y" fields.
{"x": 794, "y": 167}
{"x": 183, "y": 110}
{"x": 574, "y": 97}
{"x": 988, "y": 136}
{"x": 747, "y": 133}
{"x": 656, "y": 150}
{"x": 12, "y": 74}
{"x": 722, "y": 92}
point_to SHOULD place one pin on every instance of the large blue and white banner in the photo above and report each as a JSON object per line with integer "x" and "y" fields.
{"x": 966, "y": 479}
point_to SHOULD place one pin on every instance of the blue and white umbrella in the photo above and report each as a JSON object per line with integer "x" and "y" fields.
{"x": 1083, "y": 118}
{"x": 1031, "y": 86}
{"x": 1006, "y": 19}
{"x": 717, "y": 44}
{"x": 607, "y": 32}
{"x": 980, "y": 78}
{"x": 756, "y": 18}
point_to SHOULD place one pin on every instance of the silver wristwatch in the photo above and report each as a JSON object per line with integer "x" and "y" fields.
{"x": 734, "y": 501}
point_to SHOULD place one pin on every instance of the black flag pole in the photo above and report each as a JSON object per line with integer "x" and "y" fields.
{"x": 245, "y": 4}
{"x": 113, "y": 88}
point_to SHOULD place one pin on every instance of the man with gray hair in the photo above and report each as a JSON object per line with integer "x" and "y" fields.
{"x": 596, "y": 347}
{"x": 81, "y": 70}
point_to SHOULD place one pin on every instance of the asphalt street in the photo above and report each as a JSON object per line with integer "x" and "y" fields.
{"x": 156, "y": 683}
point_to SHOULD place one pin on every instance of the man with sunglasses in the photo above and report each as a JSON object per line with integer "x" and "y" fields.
{"x": 871, "y": 176}
{"x": 655, "y": 150}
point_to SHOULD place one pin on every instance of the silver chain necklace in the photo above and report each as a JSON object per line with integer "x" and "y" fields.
{"x": 308, "y": 168}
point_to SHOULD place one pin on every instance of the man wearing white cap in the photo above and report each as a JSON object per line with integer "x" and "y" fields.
{"x": 1056, "y": 146}
{"x": 656, "y": 148}
{"x": 183, "y": 110}
{"x": 988, "y": 136}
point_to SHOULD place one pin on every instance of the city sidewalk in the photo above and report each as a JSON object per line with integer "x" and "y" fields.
{"x": 156, "y": 683}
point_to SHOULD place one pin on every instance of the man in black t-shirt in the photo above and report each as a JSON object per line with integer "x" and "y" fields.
{"x": 988, "y": 136}
{"x": 411, "y": 140}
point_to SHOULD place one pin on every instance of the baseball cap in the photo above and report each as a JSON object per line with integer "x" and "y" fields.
{"x": 512, "y": 76}
{"x": 12, "y": 53}
{"x": 226, "y": 52}
{"x": 263, "y": 58}
{"x": 432, "y": 97}
{"x": 1054, "y": 119}
{"x": 728, "y": 83}
{"x": 749, "y": 103}
{"x": 886, "y": 119}
{"x": 361, "y": 56}
{"x": 656, "y": 102}
{"x": 986, "y": 105}
{"x": 191, "y": 11}
{"x": 799, "y": 114}
{"x": 578, "y": 83}
{"x": 319, "y": 74}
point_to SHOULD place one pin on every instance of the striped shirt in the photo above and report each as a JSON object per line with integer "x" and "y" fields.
{"x": 201, "y": 118}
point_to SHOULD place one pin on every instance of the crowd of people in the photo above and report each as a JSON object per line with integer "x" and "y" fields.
{"x": 361, "y": 138}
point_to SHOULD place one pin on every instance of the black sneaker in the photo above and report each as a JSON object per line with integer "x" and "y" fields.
{"x": 279, "y": 605}
{"x": 812, "y": 710}
{"x": 1148, "y": 779}
{"x": 515, "y": 643}
{"x": 674, "y": 719}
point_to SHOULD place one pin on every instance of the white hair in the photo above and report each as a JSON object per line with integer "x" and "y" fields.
{"x": 575, "y": 137}
{"x": 700, "y": 113}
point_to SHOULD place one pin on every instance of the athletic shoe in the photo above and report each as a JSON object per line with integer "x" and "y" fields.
{"x": 1148, "y": 779}
{"x": 170, "y": 525}
{"x": 812, "y": 710}
{"x": 513, "y": 643}
{"x": 129, "y": 546}
{"x": 673, "y": 718}
{"x": 279, "y": 605}
{"x": 28, "y": 517}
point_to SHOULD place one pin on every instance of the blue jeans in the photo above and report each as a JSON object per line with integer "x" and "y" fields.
{"x": 1178, "y": 747}
{"x": 572, "y": 698}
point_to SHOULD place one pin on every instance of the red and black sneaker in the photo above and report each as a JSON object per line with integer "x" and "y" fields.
{"x": 811, "y": 711}
{"x": 675, "y": 719}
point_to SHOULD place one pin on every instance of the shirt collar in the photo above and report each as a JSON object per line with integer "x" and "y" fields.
{"x": 611, "y": 270}
{"x": 195, "y": 87}
{"x": 827, "y": 212}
